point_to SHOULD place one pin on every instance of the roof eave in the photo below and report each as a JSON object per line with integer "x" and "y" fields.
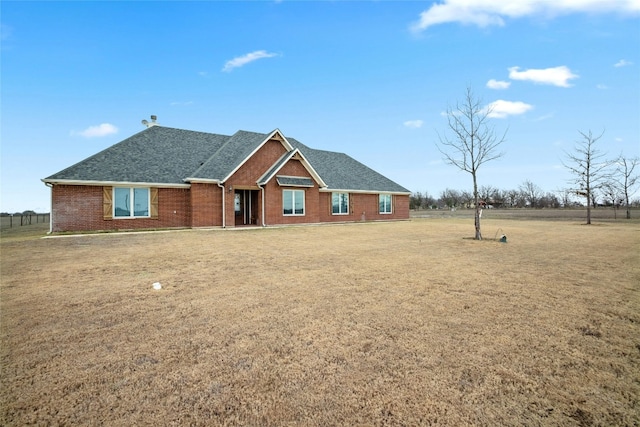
{"x": 193, "y": 180}
{"x": 113, "y": 183}
{"x": 312, "y": 171}
{"x": 305, "y": 163}
{"x": 345, "y": 190}
{"x": 281, "y": 138}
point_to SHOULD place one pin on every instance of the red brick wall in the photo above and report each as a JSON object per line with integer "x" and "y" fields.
{"x": 256, "y": 166}
{"x": 249, "y": 173}
{"x": 364, "y": 207}
{"x": 273, "y": 196}
{"x": 79, "y": 208}
{"x": 206, "y": 205}
{"x": 400, "y": 207}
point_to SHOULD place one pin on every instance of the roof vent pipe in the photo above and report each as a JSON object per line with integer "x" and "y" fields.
{"x": 150, "y": 123}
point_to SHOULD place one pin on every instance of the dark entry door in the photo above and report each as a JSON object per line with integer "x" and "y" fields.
{"x": 246, "y": 207}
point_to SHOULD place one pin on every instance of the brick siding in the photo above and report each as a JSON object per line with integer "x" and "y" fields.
{"x": 206, "y": 205}
{"x": 79, "y": 208}
{"x": 364, "y": 207}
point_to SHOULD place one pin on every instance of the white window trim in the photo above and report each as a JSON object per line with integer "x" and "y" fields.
{"x": 390, "y": 204}
{"x": 293, "y": 199}
{"x": 348, "y": 202}
{"x": 132, "y": 210}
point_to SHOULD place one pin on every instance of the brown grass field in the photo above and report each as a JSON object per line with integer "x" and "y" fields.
{"x": 397, "y": 324}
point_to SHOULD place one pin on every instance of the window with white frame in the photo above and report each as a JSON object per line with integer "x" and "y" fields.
{"x": 385, "y": 203}
{"x": 130, "y": 202}
{"x": 293, "y": 202}
{"x": 340, "y": 203}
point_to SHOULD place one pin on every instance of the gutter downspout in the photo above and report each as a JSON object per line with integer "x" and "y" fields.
{"x": 263, "y": 209}
{"x": 224, "y": 224}
{"x": 50, "y": 207}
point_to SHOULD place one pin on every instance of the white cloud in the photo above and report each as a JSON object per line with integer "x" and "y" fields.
{"x": 622, "y": 63}
{"x": 413, "y": 124}
{"x": 498, "y": 84}
{"x": 103, "y": 129}
{"x": 601, "y": 86}
{"x": 240, "y": 61}
{"x": 484, "y": 13}
{"x": 557, "y": 76}
{"x": 500, "y": 109}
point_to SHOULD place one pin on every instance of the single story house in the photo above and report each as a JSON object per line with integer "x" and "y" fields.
{"x": 164, "y": 177}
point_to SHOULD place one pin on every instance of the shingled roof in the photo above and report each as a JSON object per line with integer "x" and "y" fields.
{"x": 163, "y": 155}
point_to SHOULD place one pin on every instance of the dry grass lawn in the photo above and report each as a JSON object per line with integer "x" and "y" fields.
{"x": 405, "y": 323}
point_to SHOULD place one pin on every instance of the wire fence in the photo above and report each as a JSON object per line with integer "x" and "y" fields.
{"x": 11, "y": 221}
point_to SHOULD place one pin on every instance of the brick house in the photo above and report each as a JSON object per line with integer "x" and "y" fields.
{"x": 164, "y": 177}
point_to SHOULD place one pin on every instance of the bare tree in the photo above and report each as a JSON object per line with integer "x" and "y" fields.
{"x": 466, "y": 198}
{"x": 625, "y": 179}
{"x": 472, "y": 143}
{"x": 416, "y": 200}
{"x": 612, "y": 195}
{"x": 531, "y": 193}
{"x": 565, "y": 197}
{"x": 588, "y": 167}
{"x": 450, "y": 198}
{"x": 486, "y": 192}
{"x": 512, "y": 197}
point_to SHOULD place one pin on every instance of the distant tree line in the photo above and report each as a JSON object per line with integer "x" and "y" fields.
{"x": 25, "y": 213}
{"x": 527, "y": 195}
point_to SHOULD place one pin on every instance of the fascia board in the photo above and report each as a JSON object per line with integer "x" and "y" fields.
{"x": 284, "y": 142}
{"x": 283, "y": 161}
{"x": 339, "y": 190}
{"x": 305, "y": 163}
{"x": 114, "y": 183}
{"x": 203, "y": 180}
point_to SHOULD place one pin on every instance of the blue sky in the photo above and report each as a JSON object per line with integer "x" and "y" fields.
{"x": 367, "y": 78}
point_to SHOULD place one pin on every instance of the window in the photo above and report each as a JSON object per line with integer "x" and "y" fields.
{"x": 130, "y": 202}
{"x": 236, "y": 202}
{"x": 340, "y": 203}
{"x": 385, "y": 203}
{"x": 292, "y": 202}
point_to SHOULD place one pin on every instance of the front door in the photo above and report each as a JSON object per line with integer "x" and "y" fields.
{"x": 246, "y": 207}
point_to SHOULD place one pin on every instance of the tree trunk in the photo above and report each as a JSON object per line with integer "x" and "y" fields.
{"x": 626, "y": 203}
{"x": 478, "y": 232}
{"x": 478, "y": 235}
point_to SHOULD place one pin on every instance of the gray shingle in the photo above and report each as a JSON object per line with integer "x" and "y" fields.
{"x": 294, "y": 181}
{"x": 156, "y": 155}
{"x": 236, "y": 149}
{"x": 167, "y": 155}
{"x": 341, "y": 172}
